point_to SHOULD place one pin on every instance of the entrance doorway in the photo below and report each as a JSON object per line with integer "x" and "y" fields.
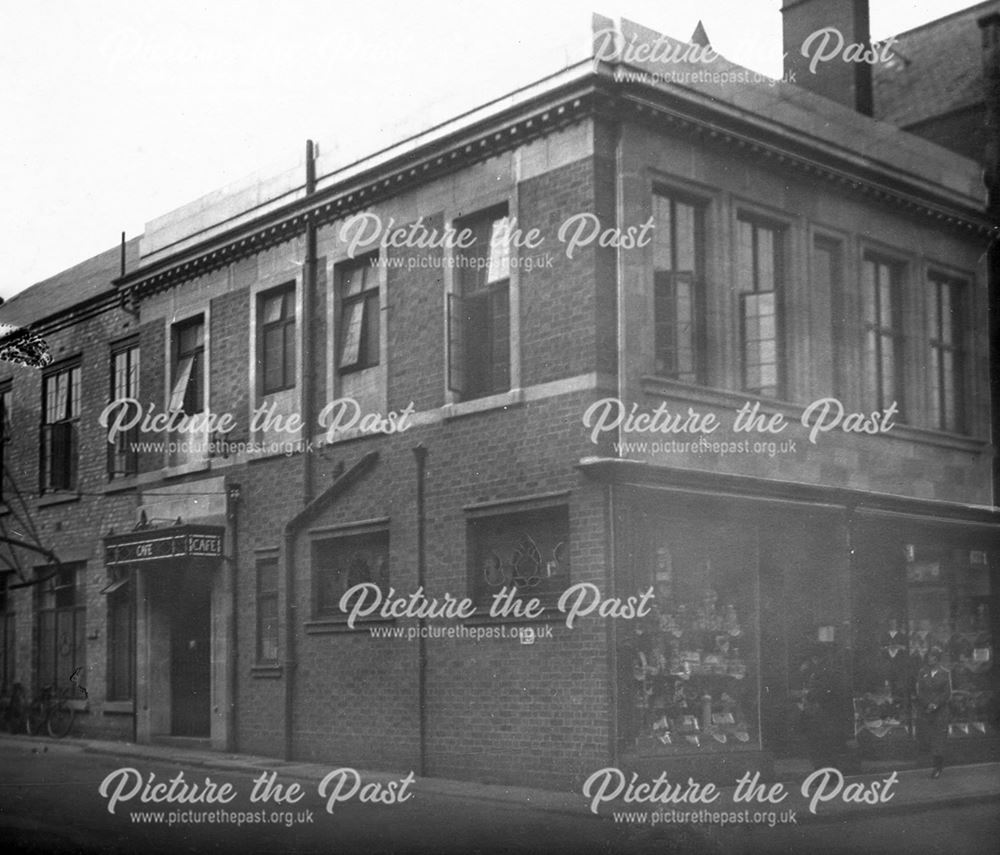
{"x": 190, "y": 655}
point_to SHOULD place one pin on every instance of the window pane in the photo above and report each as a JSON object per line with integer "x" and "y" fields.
{"x": 685, "y": 237}
{"x": 933, "y": 313}
{"x": 499, "y": 249}
{"x": 529, "y": 551}
{"x": 181, "y": 381}
{"x": 273, "y": 358}
{"x": 354, "y": 279}
{"x": 370, "y": 351}
{"x": 662, "y": 257}
{"x": 766, "y": 279}
{"x": 888, "y": 371}
{"x": 744, "y": 256}
{"x": 288, "y": 378}
{"x": 868, "y": 291}
{"x": 949, "y": 315}
{"x": 350, "y": 348}
{"x": 271, "y": 311}
{"x": 885, "y": 294}
{"x": 343, "y": 562}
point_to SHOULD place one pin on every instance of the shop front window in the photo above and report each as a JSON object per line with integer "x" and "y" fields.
{"x": 688, "y": 678}
{"x": 934, "y": 596}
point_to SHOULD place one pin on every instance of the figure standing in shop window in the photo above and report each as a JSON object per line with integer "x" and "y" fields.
{"x": 933, "y": 694}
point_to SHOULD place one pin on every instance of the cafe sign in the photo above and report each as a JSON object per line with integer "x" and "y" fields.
{"x": 152, "y": 546}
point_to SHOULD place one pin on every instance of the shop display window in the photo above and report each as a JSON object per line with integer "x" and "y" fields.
{"x": 688, "y": 680}
{"x": 945, "y": 599}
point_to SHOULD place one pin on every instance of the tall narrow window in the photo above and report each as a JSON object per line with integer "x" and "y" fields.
{"x": 123, "y": 456}
{"x": 121, "y": 635}
{"x": 188, "y": 379}
{"x": 677, "y": 290}
{"x": 60, "y": 618}
{"x": 60, "y": 422}
{"x": 267, "y": 609}
{"x": 883, "y": 369}
{"x": 479, "y": 311}
{"x": 945, "y": 333}
{"x": 276, "y": 337}
{"x": 5, "y": 435}
{"x": 359, "y": 315}
{"x": 759, "y": 282}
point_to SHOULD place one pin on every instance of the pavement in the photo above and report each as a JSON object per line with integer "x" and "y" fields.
{"x": 874, "y": 791}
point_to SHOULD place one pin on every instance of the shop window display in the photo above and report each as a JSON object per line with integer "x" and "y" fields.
{"x": 690, "y": 683}
{"x": 947, "y": 602}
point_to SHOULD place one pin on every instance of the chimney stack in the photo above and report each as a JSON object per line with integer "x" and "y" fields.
{"x": 849, "y": 83}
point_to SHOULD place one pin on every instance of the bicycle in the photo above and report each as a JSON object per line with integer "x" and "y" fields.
{"x": 52, "y": 711}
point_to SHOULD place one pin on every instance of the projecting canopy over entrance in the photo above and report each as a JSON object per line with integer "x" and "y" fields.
{"x": 162, "y": 547}
{"x": 174, "y": 609}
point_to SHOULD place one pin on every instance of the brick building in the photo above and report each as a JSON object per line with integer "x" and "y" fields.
{"x": 428, "y": 357}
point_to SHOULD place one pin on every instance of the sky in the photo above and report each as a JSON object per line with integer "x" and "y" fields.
{"x": 114, "y": 113}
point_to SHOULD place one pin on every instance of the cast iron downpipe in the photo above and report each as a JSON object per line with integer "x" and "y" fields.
{"x": 305, "y": 412}
{"x": 420, "y": 453}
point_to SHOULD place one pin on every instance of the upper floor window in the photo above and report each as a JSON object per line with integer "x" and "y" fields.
{"x": 60, "y": 428}
{"x": 479, "y": 310}
{"x": 187, "y": 389}
{"x": 123, "y": 456}
{"x": 882, "y": 319}
{"x": 677, "y": 290}
{"x": 945, "y": 325}
{"x": 359, "y": 314}
{"x": 342, "y": 562}
{"x": 276, "y": 337}
{"x": 758, "y": 271}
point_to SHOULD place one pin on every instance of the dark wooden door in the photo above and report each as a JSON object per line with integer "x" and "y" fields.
{"x": 190, "y": 657}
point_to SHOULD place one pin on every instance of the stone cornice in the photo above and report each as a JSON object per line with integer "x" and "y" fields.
{"x": 593, "y": 95}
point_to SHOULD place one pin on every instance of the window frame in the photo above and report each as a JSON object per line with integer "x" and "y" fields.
{"x": 367, "y": 301}
{"x": 482, "y": 527}
{"x": 493, "y": 305}
{"x": 376, "y": 538}
{"x": 47, "y": 602}
{"x": 874, "y": 327}
{"x": 124, "y": 444}
{"x": 696, "y": 279}
{"x": 779, "y": 230}
{"x": 50, "y": 428}
{"x": 937, "y": 282}
{"x": 287, "y": 325}
{"x": 195, "y": 373}
{"x": 267, "y": 596}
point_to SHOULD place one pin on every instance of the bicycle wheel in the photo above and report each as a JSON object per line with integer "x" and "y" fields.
{"x": 35, "y": 719}
{"x": 61, "y": 717}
